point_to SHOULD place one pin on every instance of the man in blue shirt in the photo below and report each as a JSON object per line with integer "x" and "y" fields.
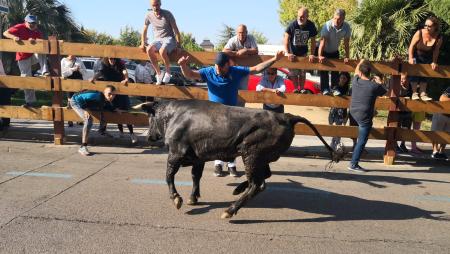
{"x": 223, "y": 83}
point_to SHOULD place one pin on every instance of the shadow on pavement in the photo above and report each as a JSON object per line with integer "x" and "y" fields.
{"x": 327, "y": 206}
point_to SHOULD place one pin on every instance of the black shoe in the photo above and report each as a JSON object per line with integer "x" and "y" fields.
{"x": 403, "y": 148}
{"x": 233, "y": 171}
{"x": 356, "y": 168}
{"x": 444, "y": 156}
{"x": 218, "y": 170}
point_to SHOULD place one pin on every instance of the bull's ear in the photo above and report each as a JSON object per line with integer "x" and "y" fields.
{"x": 148, "y": 107}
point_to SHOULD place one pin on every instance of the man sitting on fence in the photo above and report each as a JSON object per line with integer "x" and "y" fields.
{"x": 28, "y": 31}
{"x": 364, "y": 95}
{"x": 167, "y": 38}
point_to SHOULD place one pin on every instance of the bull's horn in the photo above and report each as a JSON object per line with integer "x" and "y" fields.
{"x": 139, "y": 106}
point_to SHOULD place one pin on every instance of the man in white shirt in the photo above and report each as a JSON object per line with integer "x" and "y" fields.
{"x": 271, "y": 82}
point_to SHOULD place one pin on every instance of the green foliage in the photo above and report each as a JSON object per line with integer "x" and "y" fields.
{"x": 129, "y": 37}
{"x": 440, "y": 8}
{"x": 188, "y": 42}
{"x": 320, "y": 11}
{"x": 225, "y": 34}
{"x": 382, "y": 29}
{"x": 99, "y": 38}
{"x": 259, "y": 37}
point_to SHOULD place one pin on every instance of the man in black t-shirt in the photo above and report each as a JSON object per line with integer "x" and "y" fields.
{"x": 364, "y": 95}
{"x": 296, "y": 37}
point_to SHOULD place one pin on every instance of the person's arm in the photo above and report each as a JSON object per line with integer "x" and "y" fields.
{"x": 347, "y": 49}
{"x": 266, "y": 64}
{"x": 143, "y": 37}
{"x": 125, "y": 77}
{"x": 357, "y": 72}
{"x": 287, "y": 48}
{"x": 10, "y": 35}
{"x": 412, "y": 46}
{"x": 323, "y": 40}
{"x": 434, "y": 64}
{"x": 176, "y": 31}
{"x": 188, "y": 72}
{"x": 228, "y": 48}
{"x": 66, "y": 70}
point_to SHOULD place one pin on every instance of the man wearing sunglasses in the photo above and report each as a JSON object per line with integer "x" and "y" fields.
{"x": 271, "y": 82}
{"x": 27, "y": 31}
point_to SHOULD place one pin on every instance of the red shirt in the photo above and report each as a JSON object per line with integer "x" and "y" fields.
{"x": 21, "y": 31}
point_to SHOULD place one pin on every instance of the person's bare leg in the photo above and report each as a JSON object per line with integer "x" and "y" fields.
{"x": 152, "y": 54}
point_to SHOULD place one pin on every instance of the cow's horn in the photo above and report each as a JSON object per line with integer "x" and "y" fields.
{"x": 139, "y": 106}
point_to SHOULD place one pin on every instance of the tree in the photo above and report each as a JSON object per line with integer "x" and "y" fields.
{"x": 188, "y": 42}
{"x": 227, "y": 33}
{"x": 129, "y": 37}
{"x": 382, "y": 29}
{"x": 259, "y": 37}
{"x": 320, "y": 11}
{"x": 99, "y": 38}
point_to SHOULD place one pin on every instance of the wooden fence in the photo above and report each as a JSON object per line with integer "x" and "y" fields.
{"x": 58, "y": 114}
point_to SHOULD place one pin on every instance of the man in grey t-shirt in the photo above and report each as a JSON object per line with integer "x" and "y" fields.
{"x": 166, "y": 38}
{"x": 333, "y": 32}
{"x": 241, "y": 45}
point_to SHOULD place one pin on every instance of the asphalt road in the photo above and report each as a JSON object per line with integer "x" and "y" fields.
{"x": 52, "y": 200}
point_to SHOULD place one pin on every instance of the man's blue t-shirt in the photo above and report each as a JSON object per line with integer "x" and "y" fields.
{"x": 89, "y": 100}
{"x": 224, "y": 89}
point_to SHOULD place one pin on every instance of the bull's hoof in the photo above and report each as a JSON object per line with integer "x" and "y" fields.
{"x": 178, "y": 202}
{"x": 226, "y": 215}
{"x": 192, "y": 201}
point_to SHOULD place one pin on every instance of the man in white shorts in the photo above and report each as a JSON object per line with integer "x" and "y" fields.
{"x": 441, "y": 122}
{"x": 166, "y": 39}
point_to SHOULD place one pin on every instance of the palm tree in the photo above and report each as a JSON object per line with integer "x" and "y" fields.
{"x": 382, "y": 29}
{"x": 227, "y": 33}
{"x": 54, "y": 19}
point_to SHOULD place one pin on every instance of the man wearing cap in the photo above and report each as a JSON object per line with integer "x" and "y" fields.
{"x": 27, "y": 31}
{"x": 333, "y": 32}
{"x": 166, "y": 39}
{"x": 223, "y": 84}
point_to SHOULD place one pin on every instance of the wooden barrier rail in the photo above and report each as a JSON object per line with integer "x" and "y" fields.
{"x": 55, "y": 49}
{"x": 141, "y": 119}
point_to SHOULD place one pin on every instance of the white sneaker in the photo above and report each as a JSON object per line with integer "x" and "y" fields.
{"x": 84, "y": 151}
{"x": 166, "y": 78}
{"x": 159, "y": 79}
{"x": 134, "y": 139}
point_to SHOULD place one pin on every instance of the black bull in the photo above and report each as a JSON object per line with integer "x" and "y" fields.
{"x": 199, "y": 131}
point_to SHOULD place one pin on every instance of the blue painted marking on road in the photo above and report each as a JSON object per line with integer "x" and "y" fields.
{"x": 158, "y": 182}
{"x": 50, "y": 175}
{"x": 434, "y": 198}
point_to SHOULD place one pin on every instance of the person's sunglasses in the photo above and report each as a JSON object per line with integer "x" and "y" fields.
{"x": 428, "y": 26}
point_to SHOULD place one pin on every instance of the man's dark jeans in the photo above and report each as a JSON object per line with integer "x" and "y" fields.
{"x": 325, "y": 78}
{"x": 363, "y": 136}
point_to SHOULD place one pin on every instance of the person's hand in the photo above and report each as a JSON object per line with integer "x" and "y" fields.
{"x": 311, "y": 58}
{"x": 346, "y": 60}
{"x": 277, "y": 92}
{"x": 124, "y": 82}
{"x": 434, "y": 66}
{"x": 321, "y": 59}
{"x": 92, "y": 80}
{"x": 411, "y": 60}
{"x": 142, "y": 47}
{"x": 279, "y": 55}
{"x": 241, "y": 52}
{"x": 291, "y": 57}
{"x": 32, "y": 40}
{"x": 16, "y": 39}
{"x": 183, "y": 60}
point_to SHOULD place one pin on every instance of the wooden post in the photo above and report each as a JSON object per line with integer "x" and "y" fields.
{"x": 54, "y": 59}
{"x": 392, "y": 121}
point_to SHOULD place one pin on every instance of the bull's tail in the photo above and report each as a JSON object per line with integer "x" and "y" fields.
{"x": 336, "y": 156}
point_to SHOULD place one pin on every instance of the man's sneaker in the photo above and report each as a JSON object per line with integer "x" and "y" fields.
{"x": 326, "y": 92}
{"x": 166, "y": 78}
{"x": 439, "y": 156}
{"x": 159, "y": 79}
{"x": 218, "y": 170}
{"x": 424, "y": 97}
{"x": 233, "y": 171}
{"x": 45, "y": 74}
{"x": 356, "y": 168}
{"x": 84, "y": 151}
{"x": 134, "y": 139}
{"x": 336, "y": 93}
{"x": 415, "y": 97}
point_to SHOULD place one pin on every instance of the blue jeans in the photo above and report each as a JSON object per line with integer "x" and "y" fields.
{"x": 363, "y": 135}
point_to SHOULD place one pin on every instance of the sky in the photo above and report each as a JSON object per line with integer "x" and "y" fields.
{"x": 203, "y": 18}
